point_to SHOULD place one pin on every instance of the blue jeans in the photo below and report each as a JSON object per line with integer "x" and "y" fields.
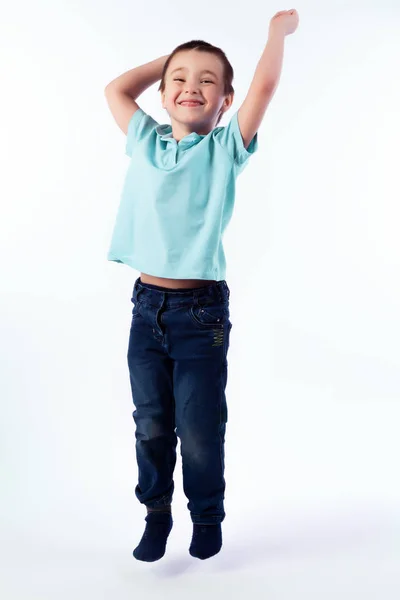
{"x": 177, "y": 360}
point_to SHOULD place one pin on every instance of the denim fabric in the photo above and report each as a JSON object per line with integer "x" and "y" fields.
{"x": 177, "y": 360}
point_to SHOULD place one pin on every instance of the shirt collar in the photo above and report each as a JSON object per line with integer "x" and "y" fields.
{"x": 165, "y": 134}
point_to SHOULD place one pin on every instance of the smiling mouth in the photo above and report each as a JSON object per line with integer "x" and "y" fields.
{"x": 190, "y": 103}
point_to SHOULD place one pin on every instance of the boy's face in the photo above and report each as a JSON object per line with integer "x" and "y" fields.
{"x": 194, "y": 81}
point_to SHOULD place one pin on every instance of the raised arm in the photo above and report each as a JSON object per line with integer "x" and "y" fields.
{"x": 267, "y": 75}
{"x": 137, "y": 80}
{"x": 121, "y": 93}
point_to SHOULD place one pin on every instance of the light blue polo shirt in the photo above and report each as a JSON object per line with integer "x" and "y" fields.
{"x": 177, "y": 199}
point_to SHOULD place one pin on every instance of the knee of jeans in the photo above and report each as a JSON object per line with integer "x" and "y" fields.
{"x": 194, "y": 449}
{"x": 150, "y": 429}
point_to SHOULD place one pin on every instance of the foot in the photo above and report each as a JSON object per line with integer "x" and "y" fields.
{"x": 206, "y": 540}
{"x": 154, "y": 540}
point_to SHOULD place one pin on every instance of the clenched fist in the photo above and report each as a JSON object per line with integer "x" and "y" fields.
{"x": 285, "y": 20}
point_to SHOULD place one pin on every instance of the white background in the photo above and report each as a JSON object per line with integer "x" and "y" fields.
{"x": 313, "y": 253}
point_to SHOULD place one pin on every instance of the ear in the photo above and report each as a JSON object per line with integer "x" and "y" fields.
{"x": 229, "y": 100}
{"x": 227, "y": 103}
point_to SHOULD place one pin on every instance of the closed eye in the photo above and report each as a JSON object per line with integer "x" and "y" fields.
{"x": 206, "y": 80}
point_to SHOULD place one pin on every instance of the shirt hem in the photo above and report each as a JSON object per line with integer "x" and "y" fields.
{"x": 127, "y": 260}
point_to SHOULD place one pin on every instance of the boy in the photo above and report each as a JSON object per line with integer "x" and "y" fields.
{"x": 177, "y": 200}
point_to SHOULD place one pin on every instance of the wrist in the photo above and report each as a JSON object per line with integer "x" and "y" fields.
{"x": 276, "y": 31}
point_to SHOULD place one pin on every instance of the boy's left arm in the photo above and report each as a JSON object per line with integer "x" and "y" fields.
{"x": 266, "y": 76}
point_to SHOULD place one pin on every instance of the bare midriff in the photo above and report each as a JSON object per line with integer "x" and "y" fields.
{"x": 175, "y": 283}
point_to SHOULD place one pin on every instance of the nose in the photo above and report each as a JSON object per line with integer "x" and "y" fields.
{"x": 191, "y": 87}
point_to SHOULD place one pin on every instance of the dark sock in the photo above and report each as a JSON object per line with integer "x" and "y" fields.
{"x": 206, "y": 540}
{"x": 154, "y": 540}
{"x": 166, "y": 508}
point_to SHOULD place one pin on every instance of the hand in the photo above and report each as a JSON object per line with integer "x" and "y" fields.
{"x": 285, "y": 20}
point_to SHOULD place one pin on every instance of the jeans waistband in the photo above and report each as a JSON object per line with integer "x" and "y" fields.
{"x": 156, "y": 296}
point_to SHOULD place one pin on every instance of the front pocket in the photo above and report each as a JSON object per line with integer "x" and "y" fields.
{"x": 214, "y": 318}
{"x": 135, "y": 311}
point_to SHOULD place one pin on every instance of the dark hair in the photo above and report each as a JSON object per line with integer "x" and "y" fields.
{"x": 202, "y": 46}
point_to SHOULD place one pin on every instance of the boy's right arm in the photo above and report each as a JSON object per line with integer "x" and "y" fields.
{"x": 122, "y": 92}
{"x": 122, "y": 107}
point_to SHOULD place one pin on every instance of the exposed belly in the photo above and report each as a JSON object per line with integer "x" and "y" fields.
{"x": 175, "y": 283}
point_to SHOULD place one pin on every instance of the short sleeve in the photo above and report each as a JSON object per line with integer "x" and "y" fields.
{"x": 140, "y": 126}
{"x": 230, "y": 138}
